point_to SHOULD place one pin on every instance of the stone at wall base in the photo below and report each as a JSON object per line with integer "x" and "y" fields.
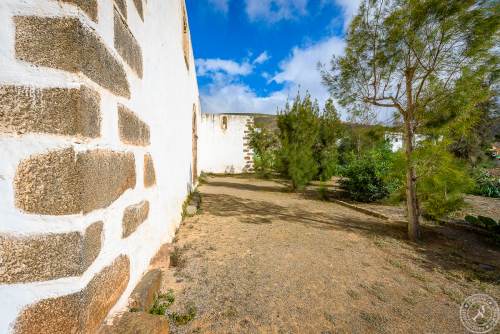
{"x": 162, "y": 258}
{"x": 137, "y": 323}
{"x": 142, "y": 298}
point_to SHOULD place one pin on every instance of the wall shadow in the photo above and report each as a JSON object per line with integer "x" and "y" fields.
{"x": 441, "y": 248}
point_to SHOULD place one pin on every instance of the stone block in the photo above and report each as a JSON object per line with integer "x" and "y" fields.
{"x": 88, "y": 6}
{"x": 142, "y": 298}
{"x": 127, "y": 46}
{"x": 137, "y": 323}
{"x": 63, "y": 182}
{"x": 133, "y": 131}
{"x": 149, "y": 171}
{"x": 49, "y": 256}
{"x": 67, "y": 44}
{"x": 162, "y": 258}
{"x": 133, "y": 217}
{"x": 140, "y": 10}
{"x": 60, "y": 111}
{"x": 80, "y": 312}
{"x": 121, "y": 5}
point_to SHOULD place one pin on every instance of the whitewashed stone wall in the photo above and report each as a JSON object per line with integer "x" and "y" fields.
{"x": 96, "y": 108}
{"x": 223, "y": 143}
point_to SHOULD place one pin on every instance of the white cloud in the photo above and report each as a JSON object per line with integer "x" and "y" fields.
{"x": 300, "y": 70}
{"x": 262, "y": 58}
{"x": 297, "y": 72}
{"x": 207, "y": 67}
{"x": 220, "y": 5}
{"x": 239, "y": 98}
{"x": 275, "y": 10}
{"x": 349, "y": 8}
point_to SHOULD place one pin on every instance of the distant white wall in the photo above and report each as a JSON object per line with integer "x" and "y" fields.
{"x": 221, "y": 149}
{"x": 396, "y": 140}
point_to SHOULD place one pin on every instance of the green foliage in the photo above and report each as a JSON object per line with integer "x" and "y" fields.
{"x": 181, "y": 319}
{"x": 368, "y": 175}
{"x": 471, "y": 220}
{"x": 162, "y": 302}
{"x": 325, "y": 150}
{"x": 486, "y": 184}
{"x": 484, "y": 222}
{"x": 358, "y": 137}
{"x": 465, "y": 115}
{"x": 323, "y": 192}
{"x": 264, "y": 144}
{"x": 298, "y": 133}
{"x": 442, "y": 181}
{"x": 424, "y": 59}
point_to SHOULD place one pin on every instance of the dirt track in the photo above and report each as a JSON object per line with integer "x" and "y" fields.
{"x": 261, "y": 260}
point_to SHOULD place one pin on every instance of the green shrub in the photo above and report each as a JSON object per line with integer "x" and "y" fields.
{"x": 162, "y": 302}
{"x": 264, "y": 144}
{"x": 484, "y": 222}
{"x": 471, "y": 220}
{"x": 367, "y": 175}
{"x": 181, "y": 319}
{"x": 486, "y": 184}
{"x": 487, "y": 222}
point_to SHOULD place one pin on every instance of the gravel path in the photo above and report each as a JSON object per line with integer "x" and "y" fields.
{"x": 258, "y": 259}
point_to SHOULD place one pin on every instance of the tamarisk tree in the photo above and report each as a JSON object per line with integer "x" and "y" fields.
{"x": 406, "y": 55}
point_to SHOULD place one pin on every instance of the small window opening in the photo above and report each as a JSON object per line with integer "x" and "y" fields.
{"x": 224, "y": 123}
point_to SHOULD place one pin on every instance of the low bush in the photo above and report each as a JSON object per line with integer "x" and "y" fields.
{"x": 162, "y": 302}
{"x": 484, "y": 222}
{"x": 264, "y": 144}
{"x": 366, "y": 175}
{"x": 486, "y": 184}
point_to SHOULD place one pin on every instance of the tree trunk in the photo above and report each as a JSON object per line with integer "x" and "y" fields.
{"x": 411, "y": 186}
{"x": 411, "y": 175}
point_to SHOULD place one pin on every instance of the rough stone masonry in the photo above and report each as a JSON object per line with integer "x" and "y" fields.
{"x": 98, "y": 101}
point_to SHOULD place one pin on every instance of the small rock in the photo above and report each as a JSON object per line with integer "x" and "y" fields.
{"x": 191, "y": 210}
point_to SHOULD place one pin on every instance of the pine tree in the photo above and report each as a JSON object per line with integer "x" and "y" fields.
{"x": 299, "y": 129}
{"x": 408, "y": 54}
{"x": 326, "y": 151}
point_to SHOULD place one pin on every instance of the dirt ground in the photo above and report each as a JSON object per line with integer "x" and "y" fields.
{"x": 258, "y": 259}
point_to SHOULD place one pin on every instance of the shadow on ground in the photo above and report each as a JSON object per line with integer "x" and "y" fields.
{"x": 442, "y": 248}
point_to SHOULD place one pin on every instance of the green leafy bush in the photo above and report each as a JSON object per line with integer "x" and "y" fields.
{"x": 367, "y": 176}
{"x": 162, "y": 302}
{"x": 264, "y": 144}
{"x": 486, "y": 184}
{"x": 484, "y": 222}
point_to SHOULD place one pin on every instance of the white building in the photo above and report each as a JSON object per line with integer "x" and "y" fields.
{"x": 396, "y": 140}
{"x": 98, "y": 124}
{"x": 223, "y": 143}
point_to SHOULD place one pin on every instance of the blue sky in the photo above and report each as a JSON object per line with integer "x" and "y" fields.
{"x": 253, "y": 55}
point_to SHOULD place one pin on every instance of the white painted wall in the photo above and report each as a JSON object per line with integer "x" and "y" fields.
{"x": 396, "y": 140}
{"x": 221, "y": 150}
{"x": 164, "y": 99}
